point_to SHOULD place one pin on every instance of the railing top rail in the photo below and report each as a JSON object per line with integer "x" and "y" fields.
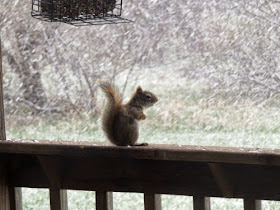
{"x": 167, "y": 169}
{"x": 152, "y": 152}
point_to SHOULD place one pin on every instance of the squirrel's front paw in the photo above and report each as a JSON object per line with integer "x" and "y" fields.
{"x": 142, "y": 116}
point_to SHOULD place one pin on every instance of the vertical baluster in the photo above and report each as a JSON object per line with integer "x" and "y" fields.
{"x": 201, "y": 203}
{"x": 58, "y": 199}
{"x": 52, "y": 166}
{"x": 4, "y": 193}
{"x": 15, "y": 197}
{"x": 10, "y": 198}
{"x": 251, "y": 204}
{"x": 152, "y": 201}
{"x": 104, "y": 200}
{"x": 2, "y": 118}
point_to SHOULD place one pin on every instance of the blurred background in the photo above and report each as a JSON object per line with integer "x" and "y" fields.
{"x": 213, "y": 64}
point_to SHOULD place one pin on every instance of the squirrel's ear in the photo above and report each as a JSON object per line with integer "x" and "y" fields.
{"x": 139, "y": 89}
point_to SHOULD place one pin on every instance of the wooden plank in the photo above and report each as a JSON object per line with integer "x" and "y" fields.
{"x": 222, "y": 179}
{"x": 152, "y": 152}
{"x": 58, "y": 199}
{"x": 251, "y": 204}
{"x": 201, "y": 203}
{"x": 12, "y": 197}
{"x": 4, "y": 192}
{"x": 18, "y": 198}
{"x": 15, "y": 198}
{"x": 150, "y": 176}
{"x": 52, "y": 167}
{"x": 2, "y": 118}
{"x": 152, "y": 201}
{"x": 104, "y": 200}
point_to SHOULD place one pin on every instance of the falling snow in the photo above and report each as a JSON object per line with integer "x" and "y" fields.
{"x": 213, "y": 64}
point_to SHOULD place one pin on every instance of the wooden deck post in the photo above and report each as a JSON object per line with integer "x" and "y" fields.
{"x": 104, "y": 200}
{"x": 52, "y": 166}
{"x": 58, "y": 199}
{"x": 4, "y": 193}
{"x": 201, "y": 203}
{"x": 10, "y": 198}
{"x": 15, "y": 197}
{"x": 152, "y": 201}
{"x": 2, "y": 118}
{"x": 251, "y": 204}
{"x": 222, "y": 179}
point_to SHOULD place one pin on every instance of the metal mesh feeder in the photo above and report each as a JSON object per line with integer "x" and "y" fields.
{"x": 79, "y": 12}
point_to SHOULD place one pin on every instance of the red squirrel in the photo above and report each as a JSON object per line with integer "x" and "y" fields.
{"x": 120, "y": 121}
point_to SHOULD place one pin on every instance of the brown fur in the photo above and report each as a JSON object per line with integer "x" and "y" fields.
{"x": 120, "y": 121}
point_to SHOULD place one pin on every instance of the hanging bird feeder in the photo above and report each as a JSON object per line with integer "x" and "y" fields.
{"x": 79, "y": 12}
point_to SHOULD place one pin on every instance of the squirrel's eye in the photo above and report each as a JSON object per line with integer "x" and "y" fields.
{"x": 148, "y": 96}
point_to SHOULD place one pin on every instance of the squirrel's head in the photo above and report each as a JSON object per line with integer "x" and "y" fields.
{"x": 145, "y": 98}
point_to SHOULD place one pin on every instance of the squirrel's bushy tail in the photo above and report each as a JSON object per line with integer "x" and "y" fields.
{"x": 114, "y": 101}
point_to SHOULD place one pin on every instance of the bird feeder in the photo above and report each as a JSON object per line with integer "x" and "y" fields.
{"x": 78, "y": 12}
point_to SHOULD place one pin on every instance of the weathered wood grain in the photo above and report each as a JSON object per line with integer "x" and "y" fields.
{"x": 222, "y": 179}
{"x": 58, "y": 199}
{"x": 15, "y": 198}
{"x": 14, "y": 195}
{"x": 201, "y": 203}
{"x": 4, "y": 192}
{"x": 147, "y": 176}
{"x": 104, "y": 200}
{"x": 251, "y": 204}
{"x": 152, "y": 201}
{"x": 2, "y": 118}
{"x": 53, "y": 169}
{"x": 152, "y": 152}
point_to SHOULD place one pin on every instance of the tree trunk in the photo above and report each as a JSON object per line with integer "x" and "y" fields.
{"x": 33, "y": 92}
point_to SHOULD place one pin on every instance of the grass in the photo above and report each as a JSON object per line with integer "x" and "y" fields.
{"x": 193, "y": 125}
{"x": 34, "y": 199}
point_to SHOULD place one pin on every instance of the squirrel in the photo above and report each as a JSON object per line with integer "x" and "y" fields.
{"x": 120, "y": 121}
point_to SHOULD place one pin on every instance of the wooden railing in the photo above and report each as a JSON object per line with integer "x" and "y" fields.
{"x": 201, "y": 172}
